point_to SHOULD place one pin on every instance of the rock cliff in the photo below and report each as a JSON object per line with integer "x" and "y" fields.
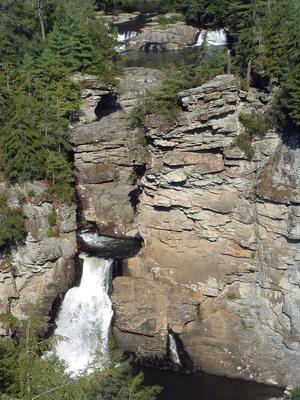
{"x": 220, "y": 262}
{"x": 37, "y": 273}
{"x": 109, "y": 152}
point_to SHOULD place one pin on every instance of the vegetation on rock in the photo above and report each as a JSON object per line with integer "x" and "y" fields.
{"x": 12, "y": 227}
{"x": 24, "y": 374}
{"x": 42, "y": 42}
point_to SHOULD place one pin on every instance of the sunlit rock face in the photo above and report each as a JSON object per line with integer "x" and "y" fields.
{"x": 220, "y": 262}
{"x": 37, "y": 274}
{"x": 171, "y": 37}
{"x": 110, "y": 153}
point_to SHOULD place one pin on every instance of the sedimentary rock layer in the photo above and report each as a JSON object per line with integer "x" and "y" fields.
{"x": 220, "y": 262}
{"x": 38, "y": 272}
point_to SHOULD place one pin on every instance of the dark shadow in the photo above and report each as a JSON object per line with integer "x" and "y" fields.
{"x": 153, "y": 47}
{"x": 134, "y": 197}
{"x": 107, "y": 246}
{"x": 107, "y": 105}
{"x": 291, "y": 136}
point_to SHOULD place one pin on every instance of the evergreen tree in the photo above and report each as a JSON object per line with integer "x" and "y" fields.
{"x": 70, "y": 40}
{"x": 12, "y": 227}
{"x": 60, "y": 176}
{"x": 24, "y": 155}
{"x": 292, "y": 93}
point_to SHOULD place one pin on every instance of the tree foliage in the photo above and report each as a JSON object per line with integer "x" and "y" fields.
{"x": 42, "y": 42}
{"x": 30, "y": 371}
{"x": 12, "y": 227}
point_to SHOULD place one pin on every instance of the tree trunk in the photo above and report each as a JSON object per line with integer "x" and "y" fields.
{"x": 249, "y": 67}
{"x": 40, "y": 17}
{"x": 228, "y": 67}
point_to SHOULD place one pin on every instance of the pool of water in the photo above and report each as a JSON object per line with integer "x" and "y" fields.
{"x": 200, "y": 386}
{"x": 162, "y": 58}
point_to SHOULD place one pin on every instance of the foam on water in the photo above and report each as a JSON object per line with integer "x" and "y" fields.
{"x": 173, "y": 351}
{"x": 85, "y": 316}
{"x": 213, "y": 38}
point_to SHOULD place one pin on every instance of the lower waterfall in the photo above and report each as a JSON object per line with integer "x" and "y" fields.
{"x": 83, "y": 323}
{"x": 173, "y": 351}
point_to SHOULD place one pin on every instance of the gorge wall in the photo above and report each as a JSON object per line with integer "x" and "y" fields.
{"x": 219, "y": 268}
{"x": 220, "y": 262}
{"x": 38, "y": 272}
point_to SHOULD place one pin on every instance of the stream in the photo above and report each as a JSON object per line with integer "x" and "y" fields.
{"x": 84, "y": 319}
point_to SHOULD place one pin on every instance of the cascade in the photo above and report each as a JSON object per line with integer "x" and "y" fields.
{"x": 83, "y": 323}
{"x": 173, "y": 351}
{"x": 124, "y": 37}
{"x": 213, "y": 38}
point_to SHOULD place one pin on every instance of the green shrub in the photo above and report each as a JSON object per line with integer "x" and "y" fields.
{"x": 295, "y": 394}
{"x": 137, "y": 116}
{"x": 12, "y": 227}
{"x": 243, "y": 141}
{"x": 31, "y": 193}
{"x": 255, "y": 124}
{"x": 20, "y": 197}
{"x": 231, "y": 296}
{"x": 244, "y": 85}
{"x": 52, "y": 217}
{"x": 53, "y": 232}
{"x": 9, "y": 319}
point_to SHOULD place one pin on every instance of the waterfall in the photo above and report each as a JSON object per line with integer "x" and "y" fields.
{"x": 83, "y": 323}
{"x": 173, "y": 351}
{"x": 213, "y": 38}
{"x": 124, "y": 37}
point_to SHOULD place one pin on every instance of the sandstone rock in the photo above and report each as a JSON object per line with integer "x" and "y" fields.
{"x": 108, "y": 155}
{"x": 220, "y": 262}
{"x": 41, "y": 270}
{"x": 172, "y": 37}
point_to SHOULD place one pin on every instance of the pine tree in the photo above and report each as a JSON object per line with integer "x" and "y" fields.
{"x": 60, "y": 176}
{"x": 70, "y": 40}
{"x": 24, "y": 155}
{"x": 292, "y": 92}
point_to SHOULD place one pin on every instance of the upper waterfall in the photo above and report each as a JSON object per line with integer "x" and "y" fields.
{"x": 212, "y": 38}
{"x": 83, "y": 322}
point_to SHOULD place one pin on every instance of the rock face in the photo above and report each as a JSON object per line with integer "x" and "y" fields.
{"x": 171, "y": 37}
{"x": 109, "y": 154}
{"x": 40, "y": 271}
{"x": 220, "y": 263}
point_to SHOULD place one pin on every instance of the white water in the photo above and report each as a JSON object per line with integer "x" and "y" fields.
{"x": 85, "y": 317}
{"x": 213, "y": 38}
{"x": 173, "y": 351}
{"x": 124, "y": 37}
{"x": 92, "y": 238}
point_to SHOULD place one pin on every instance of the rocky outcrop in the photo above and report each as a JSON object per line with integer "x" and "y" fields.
{"x": 38, "y": 272}
{"x": 220, "y": 262}
{"x": 109, "y": 153}
{"x": 170, "y": 37}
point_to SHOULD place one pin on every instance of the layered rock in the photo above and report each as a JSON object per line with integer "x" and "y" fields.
{"x": 219, "y": 266}
{"x": 170, "y": 37}
{"x": 39, "y": 271}
{"x": 108, "y": 155}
